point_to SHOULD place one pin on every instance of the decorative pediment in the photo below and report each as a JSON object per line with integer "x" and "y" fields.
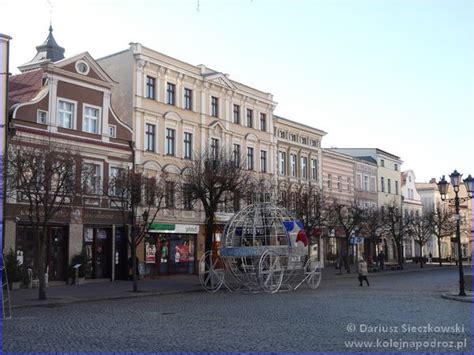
{"x": 171, "y": 115}
{"x": 217, "y": 126}
{"x": 251, "y": 137}
{"x": 171, "y": 169}
{"x": 222, "y": 80}
{"x": 84, "y": 64}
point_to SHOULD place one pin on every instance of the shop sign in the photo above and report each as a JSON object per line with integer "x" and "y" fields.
{"x": 174, "y": 228}
{"x": 223, "y": 216}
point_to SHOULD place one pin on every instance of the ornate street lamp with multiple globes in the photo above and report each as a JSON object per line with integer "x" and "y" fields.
{"x": 443, "y": 190}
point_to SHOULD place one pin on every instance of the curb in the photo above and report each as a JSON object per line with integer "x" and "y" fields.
{"x": 453, "y": 297}
{"x": 383, "y": 273}
{"x": 139, "y": 294}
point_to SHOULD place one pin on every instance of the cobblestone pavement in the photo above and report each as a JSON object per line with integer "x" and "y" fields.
{"x": 403, "y": 311}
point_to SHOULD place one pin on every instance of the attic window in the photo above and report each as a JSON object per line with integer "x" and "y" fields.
{"x": 82, "y": 67}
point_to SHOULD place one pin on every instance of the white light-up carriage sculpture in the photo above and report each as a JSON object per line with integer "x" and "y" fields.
{"x": 263, "y": 249}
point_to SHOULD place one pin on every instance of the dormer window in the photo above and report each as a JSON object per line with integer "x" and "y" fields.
{"x": 82, "y": 67}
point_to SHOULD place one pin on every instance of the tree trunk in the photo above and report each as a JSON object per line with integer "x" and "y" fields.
{"x": 42, "y": 266}
{"x": 134, "y": 264}
{"x": 209, "y": 230}
{"x": 400, "y": 255}
{"x": 439, "y": 252}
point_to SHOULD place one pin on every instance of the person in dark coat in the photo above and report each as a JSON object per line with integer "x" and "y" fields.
{"x": 381, "y": 259}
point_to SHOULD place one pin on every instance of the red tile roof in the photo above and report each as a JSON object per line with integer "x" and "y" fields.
{"x": 24, "y": 87}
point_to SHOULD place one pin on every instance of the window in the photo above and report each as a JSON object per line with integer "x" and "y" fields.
{"x": 389, "y": 186}
{"x": 339, "y": 183}
{"x": 90, "y": 122}
{"x": 282, "y": 134}
{"x": 304, "y": 167}
{"x": 293, "y": 137}
{"x": 396, "y": 187}
{"x": 250, "y": 158}
{"x": 348, "y": 184}
{"x": 214, "y": 148}
{"x": 263, "y": 122}
{"x": 263, "y": 161}
{"x": 314, "y": 169}
{"x": 188, "y": 145}
{"x": 236, "y": 154}
{"x": 366, "y": 182}
{"x": 236, "y": 114}
{"x": 382, "y": 184}
{"x": 315, "y": 143}
{"x": 150, "y": 87}
{"x": 373, "y": 187}
{"x": 91, "y": 178}
{"x": 329, "y": 181}
{"x": 395, "y": 167}
{"x": 187, "y": 197}
{"x": 249, "y": 118}
{"x": 282, "y": 163}
{"x": 112, "y": 131}
{"x": 214, "y": 106}
{"x": 41, "y": 117}
{"x": 150, "y": 137}
{"x": 358, "y": 184}
{"x": 170, "y": 138}
{"x": 115, "y": 181}
{"x": 188, "y": 99}
{"x": 293, "y": 165}
{"x": 170, "y": 94}
{"x": 169, "y": 196}
{"x": 65, "y": 114}
{"x": 382, "y": 163}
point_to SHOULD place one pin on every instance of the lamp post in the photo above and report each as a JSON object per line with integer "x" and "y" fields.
{"x": 443, "y": 190}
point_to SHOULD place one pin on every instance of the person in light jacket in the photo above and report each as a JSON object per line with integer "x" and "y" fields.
{"x": 362, "y": 267}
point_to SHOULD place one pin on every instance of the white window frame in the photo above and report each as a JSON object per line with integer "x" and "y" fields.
{"x": 184, "y": 145}
{"x": 304, "y": 167}
{"x": 314, "y": 169}
{"x": 145, "y": 138}
{"x": 100, "y": 166}
{"x": 38, "y": 117}
{"x": 74, "y": 113}
{"x": 112, "y": 128}
{"x": 282, "y": 162}
{"x": 99, "y": 116}
{"x": 364, "y": 180}
{"x": 173, "y": 146}
{"x": 293, "y": 169}
{"x": 250, "y": 164}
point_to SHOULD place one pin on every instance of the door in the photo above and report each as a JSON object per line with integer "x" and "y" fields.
{"x": 57, "y": 253}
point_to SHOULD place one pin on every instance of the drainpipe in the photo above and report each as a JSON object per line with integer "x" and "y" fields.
{"x": 5, "y": 130}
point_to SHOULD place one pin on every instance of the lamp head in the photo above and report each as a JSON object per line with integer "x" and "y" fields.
{"x": 455, "y": 180}
{"x": 443, "y": 188}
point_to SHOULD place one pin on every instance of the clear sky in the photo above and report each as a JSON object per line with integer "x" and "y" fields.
{"x": 392, "y": 74}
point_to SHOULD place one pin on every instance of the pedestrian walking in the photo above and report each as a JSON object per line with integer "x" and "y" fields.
{"x": 430, "y": 258}
{"x": 362, "y": 267}
{"x": 381, "y": 259}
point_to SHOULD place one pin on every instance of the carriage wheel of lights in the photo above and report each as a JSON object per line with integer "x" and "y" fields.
{"x": 263, "y": 249}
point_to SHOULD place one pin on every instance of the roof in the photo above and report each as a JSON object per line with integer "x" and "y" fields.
{"x": 49, "y": 50}
{"x": 368, "y": 159}
{"x": 319, "y": 131}
{"x": 24, "y": 87}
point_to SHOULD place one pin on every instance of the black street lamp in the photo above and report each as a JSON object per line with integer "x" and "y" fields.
{"x": 443, "y": 190}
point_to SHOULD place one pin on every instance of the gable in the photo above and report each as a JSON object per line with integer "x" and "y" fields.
{"x": 222, "y": 80}
{"x": 83, "y": 64}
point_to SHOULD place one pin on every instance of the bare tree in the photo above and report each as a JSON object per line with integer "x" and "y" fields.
{"x": 42, "y": 177}
{"x": 420, "y": 230}
{"x": 443, "y": 225}
{"x": 397, "y": 227}
{"x": 310, "y": 208}
{"x": 139, "y": 199}
{"x": 212, "y": 178}
{"x": 349, "y": 217}
{"x": 372, "y": 226}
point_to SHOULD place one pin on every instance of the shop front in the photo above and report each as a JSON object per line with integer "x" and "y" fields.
{"x": 171, "y": 249}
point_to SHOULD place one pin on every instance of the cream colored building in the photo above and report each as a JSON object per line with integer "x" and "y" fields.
{"x": 298, "y": 163}
{"x": 412, "y": 206}
{"x": 177, "y": 110}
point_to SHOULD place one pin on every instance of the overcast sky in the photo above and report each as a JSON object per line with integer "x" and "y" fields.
{"x": 394, "y": 74}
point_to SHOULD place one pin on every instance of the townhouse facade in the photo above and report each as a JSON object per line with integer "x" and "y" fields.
{"x": 412, "y": 206}
{"x": 179, "y": 111}
{"x": 66, "y": 102}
